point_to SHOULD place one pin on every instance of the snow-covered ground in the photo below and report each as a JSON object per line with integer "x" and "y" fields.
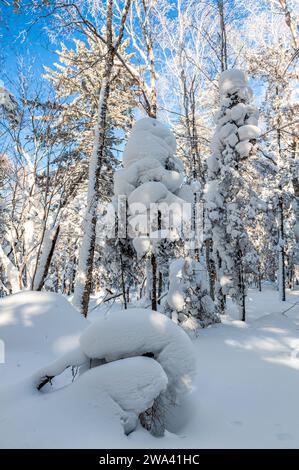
{"x": 245, "y": 393}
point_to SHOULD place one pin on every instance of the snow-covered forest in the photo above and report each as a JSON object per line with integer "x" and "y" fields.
{"x": 149, "y": 224}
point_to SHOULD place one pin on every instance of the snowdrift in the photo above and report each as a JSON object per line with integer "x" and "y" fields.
{"x": 40, "y": 322}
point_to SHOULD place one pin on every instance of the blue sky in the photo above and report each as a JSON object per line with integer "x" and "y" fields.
{"x": 36, "y": 48}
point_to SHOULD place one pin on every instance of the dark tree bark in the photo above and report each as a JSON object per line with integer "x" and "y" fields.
{"x": 49, "y": 259}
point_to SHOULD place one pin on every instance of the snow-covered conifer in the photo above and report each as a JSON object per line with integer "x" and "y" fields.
{"x": 228, "y": 192}
{"x": 188, "y": 299}
{"x": 275, "y": 65}
{"x": 152, "y": 180}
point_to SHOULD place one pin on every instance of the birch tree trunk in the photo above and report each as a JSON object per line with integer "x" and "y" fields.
{"x": 11, "y": 272}
{"x": 83, "y": 285}
{"x": 46, "y": 258}
{"x": 223, "y": 41}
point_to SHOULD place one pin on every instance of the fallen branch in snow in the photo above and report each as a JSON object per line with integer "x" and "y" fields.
{"x": 113, "y": 296}
{"x": 45, "y": 380}
{"x": 285, "y": 311}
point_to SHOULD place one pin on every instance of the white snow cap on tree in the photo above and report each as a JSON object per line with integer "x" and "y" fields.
{"x": 151, "y": 175}
{"x": 232, "y": 81}
{"x": 149, "y": 139}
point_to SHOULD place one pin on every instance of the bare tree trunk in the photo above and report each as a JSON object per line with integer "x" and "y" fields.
{"x": 210, "y": 267}
{"x": 281, "y": 264}
{"x": 281, "y": 260}
{"x": 295, "y": 182}
{"x": 123, "y": 285}
{"x": 154, "y": 281}
{"x": 223, "y": 41}
{"x": 290, "y": 23}
{"x": 241, "y": 300}
{"x": 84, "y": 274}
{"x": 259, "y": 279}
{"x": 45, "y": 268}
{"x": 83, "y": 285}
{"x": 219, "y": 296}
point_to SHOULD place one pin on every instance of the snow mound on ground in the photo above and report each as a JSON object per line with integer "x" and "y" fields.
{"x": 139, "y": 331}
{"x": 72, "y": 417}
{"x": 40, "y": 322}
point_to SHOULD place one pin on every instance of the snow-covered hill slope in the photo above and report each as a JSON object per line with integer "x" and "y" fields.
{"x": 245, "y": 394}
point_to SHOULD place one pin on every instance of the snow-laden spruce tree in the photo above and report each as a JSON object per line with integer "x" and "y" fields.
{"x": 188, "y": 300}
{"x": 229, "y": 198}
{"x": 152, "y": 180}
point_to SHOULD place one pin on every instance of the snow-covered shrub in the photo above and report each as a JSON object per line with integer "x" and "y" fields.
{"x": 126, "y": 334}
{"x": 188, "y": 300}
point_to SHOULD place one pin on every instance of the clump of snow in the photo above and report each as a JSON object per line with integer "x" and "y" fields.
{"x": 244, "y": 148}
{"x": 238, "y": 112}
{"x": 142, "y": 245}
{"x": 8, "y": 104}
{"x": 248, "y": 132}
{"x": 148, "y": 193}
{"x": 149, "y": 139}
{"x": 140, "y": 331}
{"x": 11, "y": 271}
{"x": 133, "y": 384}
{"x": 234, "y": 81}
